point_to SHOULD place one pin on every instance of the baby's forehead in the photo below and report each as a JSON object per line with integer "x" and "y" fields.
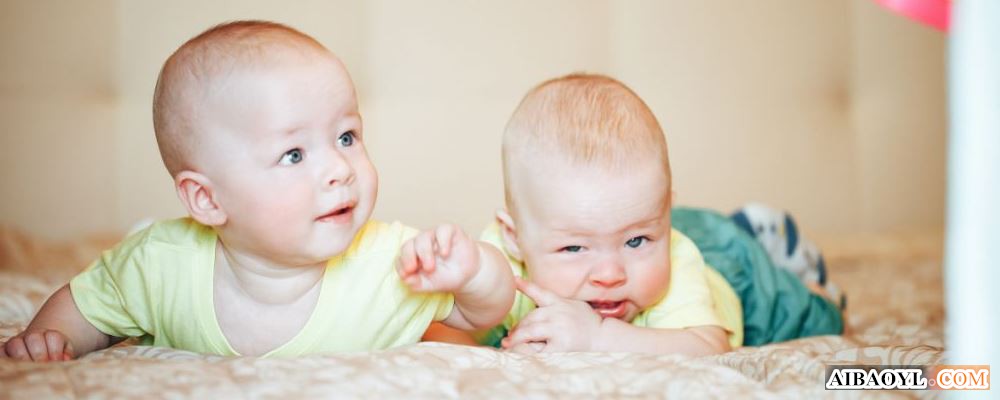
{"x": 555, "y": 186}
{"x": 224, "y": 68}
{"x": 219, "y": 58}
{"x": 545, "y": 165}
{"x": 573, "y": 189}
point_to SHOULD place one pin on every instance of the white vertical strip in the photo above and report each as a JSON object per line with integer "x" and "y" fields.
{"x": 972, "y": 258}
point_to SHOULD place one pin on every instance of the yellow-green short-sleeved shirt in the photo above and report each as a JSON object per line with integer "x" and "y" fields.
{"x": 157, "y": 285}
{"x": 697, "y": 295}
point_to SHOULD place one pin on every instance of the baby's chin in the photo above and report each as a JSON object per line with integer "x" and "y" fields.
{"x": 322, "y": 252}
{"x": 633, "y": 311}
{"x": 338, "y": 247}
{"x": 333, "y": 240}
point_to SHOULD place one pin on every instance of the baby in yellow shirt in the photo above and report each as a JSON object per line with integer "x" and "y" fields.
{"x": 587, "y": 227}
{"x": 607, "y": 264}
{"x": 258, "y": 125}
{"x": 588, "y": 188}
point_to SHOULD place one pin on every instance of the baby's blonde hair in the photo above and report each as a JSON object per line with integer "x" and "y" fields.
{"x": 584, "y": 120}
{"x": 187, "y": 75}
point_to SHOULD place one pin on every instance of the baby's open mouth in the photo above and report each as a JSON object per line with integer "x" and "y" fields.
{"x": 608, "y": 309}
{"x": 337, "y": 214}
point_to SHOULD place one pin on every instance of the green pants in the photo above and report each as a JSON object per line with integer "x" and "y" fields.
{"x": 777, "y": 306}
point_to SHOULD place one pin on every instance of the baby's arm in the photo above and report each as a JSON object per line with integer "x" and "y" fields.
{"x": 619, "y": 336}
{"x": 571, "y": 325}
{"x": 447, "y": 260}
{"x": 486, "y": 298}
{"x": 58, "y": 332}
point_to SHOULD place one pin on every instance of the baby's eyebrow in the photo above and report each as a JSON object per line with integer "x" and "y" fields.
{"x": 643, "y": 223}
{"x": 350, "y": 114}
{"x": 571, "y": 231}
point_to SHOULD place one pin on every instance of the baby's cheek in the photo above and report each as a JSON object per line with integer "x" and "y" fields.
{"x": 561, "y": 283}
{"x": 655, "y": 285}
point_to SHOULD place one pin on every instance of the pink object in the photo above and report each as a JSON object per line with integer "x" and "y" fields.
{"x": 935, "y": 13}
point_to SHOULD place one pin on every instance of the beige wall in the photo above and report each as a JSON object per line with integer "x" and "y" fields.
{"x": 58, "y": 105}
{"x": 899, "y": 112}
{"x": 832, "y": 109}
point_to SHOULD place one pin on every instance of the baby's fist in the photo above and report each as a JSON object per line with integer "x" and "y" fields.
{"x": 48, "y": 345}
{"x": 440, "y": 260}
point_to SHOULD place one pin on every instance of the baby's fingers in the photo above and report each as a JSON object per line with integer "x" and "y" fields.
{"x": 526, "y": 333}
{"x": 528, "y": 348}
{"x": 68, "y": 353}
{"x": 56, "y": 344}
{"x": 425, "y": 248}
{"x": 15, "y": 348}
{"x": 416, "y": 282}
{"x": 37, "y": 347}
{"x": 407, "y": 259}
{"x": 444, "y": 234}
{"x": 520, "y": 341}
{"x": 541, "y": 297}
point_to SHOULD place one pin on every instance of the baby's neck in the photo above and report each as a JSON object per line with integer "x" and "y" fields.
{"x": 263, "y": 281}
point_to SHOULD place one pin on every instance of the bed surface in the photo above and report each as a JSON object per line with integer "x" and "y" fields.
{"x": 895, "y": 316}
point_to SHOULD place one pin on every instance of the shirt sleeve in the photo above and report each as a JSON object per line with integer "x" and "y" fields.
{"x": 111, "y": 294}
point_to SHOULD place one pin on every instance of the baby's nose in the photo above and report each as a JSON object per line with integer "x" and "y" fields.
{"x": 608, "y": 275}
{"x": 338, "y": 170}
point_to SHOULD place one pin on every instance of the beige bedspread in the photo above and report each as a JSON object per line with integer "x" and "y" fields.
{"x": 895, "y": 317}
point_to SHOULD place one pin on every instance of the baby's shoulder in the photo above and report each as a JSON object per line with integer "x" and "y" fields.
{"x": 684, "y": 254}
{"x": 180, "y": 241}
{"x": 173, "y": 235}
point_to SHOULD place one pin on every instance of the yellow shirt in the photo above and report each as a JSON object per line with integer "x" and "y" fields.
{"x": 157, "y": 285}
{"x": 697, "y": 295}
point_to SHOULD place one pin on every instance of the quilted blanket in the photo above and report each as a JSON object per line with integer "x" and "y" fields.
{"x": 895, "y": 316}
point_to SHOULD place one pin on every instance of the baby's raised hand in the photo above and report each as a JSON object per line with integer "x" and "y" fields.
{"x": 49, "y": 345}
{"x": 561, "y": 324}
{"x": 440, "y": 260}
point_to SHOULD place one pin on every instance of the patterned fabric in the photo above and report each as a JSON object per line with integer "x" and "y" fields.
{"x": 895, "y": 317}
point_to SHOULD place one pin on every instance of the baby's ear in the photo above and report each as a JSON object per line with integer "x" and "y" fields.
{"x": 198, "y": 196}
{"x": 508, "y": 232}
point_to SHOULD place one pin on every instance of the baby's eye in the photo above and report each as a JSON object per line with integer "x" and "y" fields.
{"x": 571, "y": 249}
{"x": 636, "y": 241}
{"x": 346, "y": 139}
{"x": 293, "y": 156}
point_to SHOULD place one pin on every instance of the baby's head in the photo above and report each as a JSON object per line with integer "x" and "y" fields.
{"x": 258, "y": 124}
{"x": 587, "y": 183}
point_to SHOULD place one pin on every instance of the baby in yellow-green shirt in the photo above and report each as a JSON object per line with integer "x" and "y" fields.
{"x": 607, "y": 264}
{"x": 588, "y": 186}
{"x": 587, "y": 227}
{"x": 258, "y": 125}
